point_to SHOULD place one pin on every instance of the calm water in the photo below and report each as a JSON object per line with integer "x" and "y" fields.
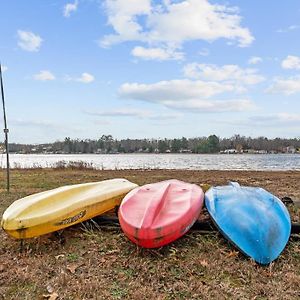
{"x": 162, "y": 161}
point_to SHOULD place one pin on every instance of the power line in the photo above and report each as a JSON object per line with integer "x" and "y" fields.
{"x": 5, "y": 131}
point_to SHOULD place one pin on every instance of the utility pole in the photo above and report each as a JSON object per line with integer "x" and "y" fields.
{"x": 5, "y": 131}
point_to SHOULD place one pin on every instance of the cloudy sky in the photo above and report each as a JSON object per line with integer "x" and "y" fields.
{"x": 142, "y": 68}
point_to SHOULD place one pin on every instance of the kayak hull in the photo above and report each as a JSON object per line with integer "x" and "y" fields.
{"x": 57, "y": 209}
{"x": 156, "y": 214}
{"x": 252, "y": 219}
{"x": 161, "y": 239}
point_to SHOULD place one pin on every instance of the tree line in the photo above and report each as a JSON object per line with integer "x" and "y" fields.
{"x": 210, "y": 144}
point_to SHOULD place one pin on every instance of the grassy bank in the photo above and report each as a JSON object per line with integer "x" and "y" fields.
{"x": 93, "y": 262}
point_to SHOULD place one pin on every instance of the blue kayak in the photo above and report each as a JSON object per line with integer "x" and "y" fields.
{"x": 254, "y": 220}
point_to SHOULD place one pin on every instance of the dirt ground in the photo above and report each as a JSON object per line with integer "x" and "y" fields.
{"x": 98, "y": 262}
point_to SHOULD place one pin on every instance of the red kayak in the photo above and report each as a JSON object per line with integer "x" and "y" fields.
{"x": 156, "y": 214}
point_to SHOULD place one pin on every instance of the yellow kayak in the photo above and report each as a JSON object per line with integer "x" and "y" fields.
{"x": 56, "y": 209}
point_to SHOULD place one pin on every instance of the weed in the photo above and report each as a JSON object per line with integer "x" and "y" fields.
{"x": 72, "y": 257}
{"x": 118, "y": 292}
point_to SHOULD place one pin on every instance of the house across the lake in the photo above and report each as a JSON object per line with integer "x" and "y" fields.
{"x": 290, "y": 149}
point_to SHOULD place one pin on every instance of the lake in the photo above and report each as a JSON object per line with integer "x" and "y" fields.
{"x": 161, "y": 161}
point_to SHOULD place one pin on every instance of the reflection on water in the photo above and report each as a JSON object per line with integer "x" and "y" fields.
{"x": 162, "y": 161}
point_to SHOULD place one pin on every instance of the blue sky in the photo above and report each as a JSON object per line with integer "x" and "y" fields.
{"x": 154, "y": 69}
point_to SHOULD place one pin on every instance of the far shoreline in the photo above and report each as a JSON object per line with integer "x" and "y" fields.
{"x": 161, "y": 153}
{"x": 146, "y": 161}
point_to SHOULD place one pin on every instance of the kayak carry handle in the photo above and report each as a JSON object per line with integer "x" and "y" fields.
{"x": 235, "y": 184}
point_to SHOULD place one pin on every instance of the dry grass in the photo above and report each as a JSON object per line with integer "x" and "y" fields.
{"x": 100, "y": 263}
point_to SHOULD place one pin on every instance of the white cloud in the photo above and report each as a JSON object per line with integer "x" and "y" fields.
{"x": 102, "y": 122}
{"x": 193, "y": 105}
{"x": 70, "y": 8}
{"x": 165, "y": 116}
{"x": 133, "y": 112}
{"x": 122, "y": 16}
{"x": 34, "y": 123}
{"x": 291, "y": 62}
{"x": 29, "y": 41}
{"x": 293, "y": 27}
{"x": 280, "y": 118}
{"x": 204, "y": 52}
{"x": 186, "y": 95}
{"x": 288, "y": 117}
{"x": 205, "y": 22}
{"x": 157, "y": 54}
{"x": 44, "y": 76}
{"x": 227, "y": 73}
{"x": 173, "y": 90}
{"x": 172, "y": 23}
{"x": 86, "y": 78}
{"x": 4, "y": 68}
{"x": 120, "y": 112}
{"x": 286, "y": 86}
{"x": 290, "y": 28}
{"x": 254, "y": 60}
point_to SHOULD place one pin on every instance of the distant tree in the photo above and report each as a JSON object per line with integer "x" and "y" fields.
{"x": 120, "y": 148}
{"x": 176, "y": 145}
{"x": 67, "y": 145}
{"x": 184, "y": 143}
{"x": 162, "y": 146}
{"x": 213, "y": 144}
{"x": 151, "y": 149}
{"x": 209, "y": 145}
{"x": 202, "y": 147}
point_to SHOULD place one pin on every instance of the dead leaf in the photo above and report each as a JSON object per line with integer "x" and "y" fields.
{"x": 59, "y": 256}
{"x": 205, "y": 187}
{"x": 73, "y": 268}
{"x": 2, "y": 268}
{"x": 204, "y": 263}
{"x": 102, "y": 260}
{"x": 233, "y": 253}
{"x": 52, "y": 296}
